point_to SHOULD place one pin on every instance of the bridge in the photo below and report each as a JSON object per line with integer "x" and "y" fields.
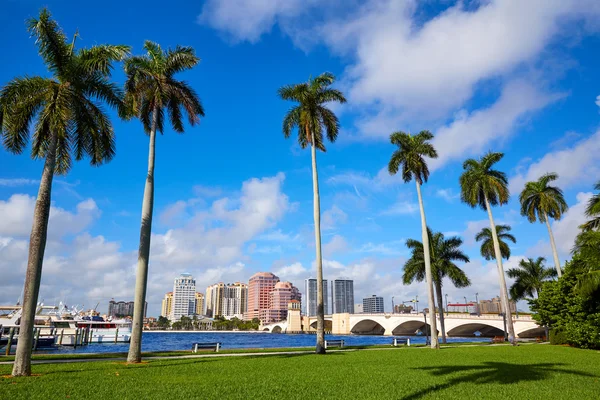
{"x": 463, "y": 325}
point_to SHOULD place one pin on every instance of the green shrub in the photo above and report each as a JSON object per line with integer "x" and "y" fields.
{"x": 558, "y": 336}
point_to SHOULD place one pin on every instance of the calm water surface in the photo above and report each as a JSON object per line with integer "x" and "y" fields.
{"x": 169, "y": 341}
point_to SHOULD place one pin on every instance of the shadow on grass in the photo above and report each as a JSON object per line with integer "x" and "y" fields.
{"x": 492, "y": 372}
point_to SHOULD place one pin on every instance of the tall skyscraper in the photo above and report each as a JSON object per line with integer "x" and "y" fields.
{"x": 226, "y": 300}
{"x": 199, "y": 303}
{"x": 311, "y": 297}
{"x": 373, "y": 305}
{"x": 259, "y": 287}
{"x": 167, "y": 305}
{"x": 184, "y": 297}
{"x": 342, "y": 296}
{"x": 279, "y": 298}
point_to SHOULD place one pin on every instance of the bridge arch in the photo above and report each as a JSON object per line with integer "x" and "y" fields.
{"x": 532, "y": 332}
{"x": 368, "y": 327}
{"x": 328, "y": 325}
{"x": 412, "y": 328}
{"x": 469, "y": 330}
{"x": 276, "y": 329}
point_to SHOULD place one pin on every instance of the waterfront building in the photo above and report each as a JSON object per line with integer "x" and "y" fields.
{"x": 167, "y": 305}
{"x": 226, "y": 300}
{"x": 260, "y": 286}
{"x": 470, "y": 307}
{"x": 494, "y": 306}
{"x": 373, "y": 305}
{"x": 310, "y": 292}
{"x": 199, "y": 303}
{"x": 122, "y": 309}
{"x": 279, "y": 298}
{"x": 294, "y": 319}
{"x": 402, "y": 309}
{"x": 342, "y": 296}
{"x": 358, "y": 308}
{"x": 184, "y": 297}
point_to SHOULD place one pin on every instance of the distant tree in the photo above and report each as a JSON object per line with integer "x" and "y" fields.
{"x": 163, "y": 322}
{"x": 541, "y": 201}
{"x": 487, "y": 242}
{"x": 483, "y": 186}
{"x": 312, "y": 118}
{"x": 410, "y": 155}
{"x": 529, "y": 278}
{"x": 593, "y": 211}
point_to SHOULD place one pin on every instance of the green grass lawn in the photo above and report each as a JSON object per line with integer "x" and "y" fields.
{"x": 487, "y": 372}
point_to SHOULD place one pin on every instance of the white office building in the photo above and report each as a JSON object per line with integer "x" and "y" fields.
{"x": 311, "y": 297}
{"x": 342, "y": 296}
{"x": 184, "y": 297}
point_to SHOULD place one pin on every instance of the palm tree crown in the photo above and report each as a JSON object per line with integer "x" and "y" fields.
{"x": 310, "y": 115}
{"x": 593, "y": 211}
{"x": 151, "y": 87}
{"x": 66, "y": 105}
{"x": 410, "y": 154}
{"x": 540, "y": 200}
{"x": 530, "y": 276}
{"x": 487, "y": 245}
{"x": 480, "y": 182}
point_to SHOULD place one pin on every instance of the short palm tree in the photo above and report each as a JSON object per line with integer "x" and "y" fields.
{"x": 541, "y": 201}
{"x": 529, "y": 278}
{"x": 69, "y": 123}
{"x": 444, "y": 253}
{"x": 150, "y": 90}
{"x": 593, "y": 211}
{"x": 411, "y": 153}
{"x": 482, "y": 185}
{"x": 487, "y": 242}
{"x": 311, "y": 117}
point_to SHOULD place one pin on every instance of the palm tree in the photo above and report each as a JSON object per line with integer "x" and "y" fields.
{"x": 530, "y": 276}
{"x": 487, "y": 246}
{"x": 410, "y": 154}
{"x": 150, "y": 89}
{"x": 310, "y": 116}
{"x": 483, "y": 186}
{"x": 540, "y": 201}
{"x": 444, "y": 252}
{"x": 587, "y": 248}
{"x": 69, "y": 123}
{"x": 593, "y": 211}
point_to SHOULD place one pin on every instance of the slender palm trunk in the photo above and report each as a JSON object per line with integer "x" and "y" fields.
{"x": 438, "y": 294}
{"x": 141, "y": 278}
{"x": 320, "y": 348}
{"x": 33, "y": 276}
{"x": 428, "y": 277}
{"x": 503, "y": 290}
{"x": 554, "y": 252}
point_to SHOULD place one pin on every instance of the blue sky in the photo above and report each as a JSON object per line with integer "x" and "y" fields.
{"x": 234, "y": 197}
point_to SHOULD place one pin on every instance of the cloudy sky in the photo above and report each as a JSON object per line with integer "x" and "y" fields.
{"x": 234, "y": 197}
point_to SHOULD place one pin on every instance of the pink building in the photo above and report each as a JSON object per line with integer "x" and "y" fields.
{"x": 259, "y": 287}
{"x": 279, "y": 297}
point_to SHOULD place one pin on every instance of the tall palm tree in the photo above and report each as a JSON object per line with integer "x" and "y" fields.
{"x": 530, "y": 276}
{"x": 593, "y": 211}
{"x": 310, "y": 117}
{"x": 487, "y": 242}
{"x": 444, "y": 253}
{"x": 411, "y": 153}
{"x": 541, "y": 201}
{"x": 481, "y": 185}
{"x": 150, "y": 90}
{"x": 69, "y": 123}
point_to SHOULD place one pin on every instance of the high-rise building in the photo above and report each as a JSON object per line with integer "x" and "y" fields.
{"x": 373, "y": 305}
{"x": 199, "y": 303}
{"x": 279, "y": 298}
{"x": 311, "y": 297}
{"x": 226, "y": 300}
{"x": 342, "y": 296}
{"x": 121, "y": 309}
{"x": 167, "y": 305}
{"x": 260, "y": 286}
{"x": 184, "y": 297}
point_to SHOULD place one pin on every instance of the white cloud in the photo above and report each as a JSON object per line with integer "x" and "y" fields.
{"x": 447, "y": 194}
{"x": 207, "y": 191}
{"x": 598, "y": 100}
{"x": 575, "y": 166}
{"x": 332, "y": 217}
{"x": 337, "y": 244}
{"x": 18, "y": 182}
{"x": 172, "y": 212}
{"x": 401, "y": 208}
{"x": 291, "y": 272}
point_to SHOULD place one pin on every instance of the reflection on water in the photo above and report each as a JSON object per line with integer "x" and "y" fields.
{"x": 169, "y": 341}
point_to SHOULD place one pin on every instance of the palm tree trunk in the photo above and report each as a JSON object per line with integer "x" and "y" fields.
{"x": 503, "y": 290}
{"x": 320, "y": 348}
{"x": 429, "y": 280}
{"x": 554, "y": 252}
{"x": 33, "y": 276}
{"x": 438, "y": 293}
{"x": 141, "y": 278}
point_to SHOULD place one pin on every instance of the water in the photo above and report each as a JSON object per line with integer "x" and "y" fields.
{"x": 170, "y": 341}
